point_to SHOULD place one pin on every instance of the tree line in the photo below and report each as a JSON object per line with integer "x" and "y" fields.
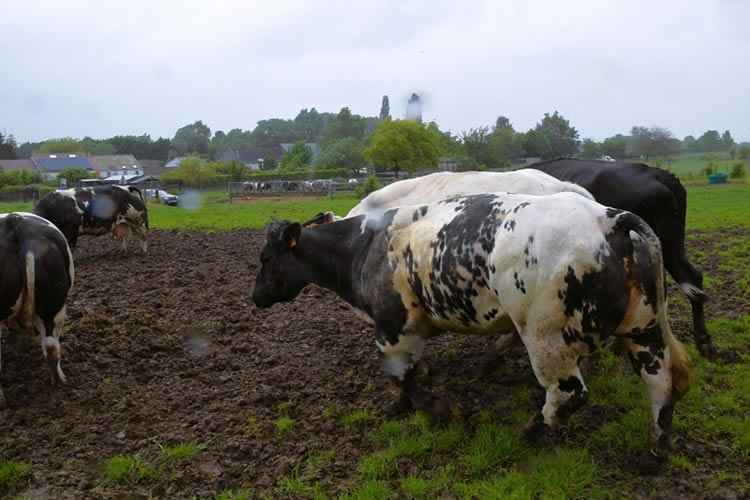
{"x": 355, "y": 142}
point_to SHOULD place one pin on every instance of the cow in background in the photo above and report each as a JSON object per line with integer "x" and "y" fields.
{"x": 97, "y": 210}
{"x": 657, "y": 197}
{"x": 37, "y": 273}
{"x": 564, "y": 271}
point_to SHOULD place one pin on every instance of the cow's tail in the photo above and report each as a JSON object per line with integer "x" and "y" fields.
{"x": 28, "y": 307}
{"x": 646, "y": 244}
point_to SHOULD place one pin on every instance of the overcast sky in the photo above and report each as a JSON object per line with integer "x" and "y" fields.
{"x": 102, "y": 68}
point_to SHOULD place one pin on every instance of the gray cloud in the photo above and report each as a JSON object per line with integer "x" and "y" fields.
{"x": 103, "y": 68}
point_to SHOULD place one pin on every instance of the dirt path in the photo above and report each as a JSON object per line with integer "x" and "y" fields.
{"x": 167, "y": 348}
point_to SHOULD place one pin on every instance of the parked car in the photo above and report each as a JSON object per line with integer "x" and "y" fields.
{"x": 607, "y": 158}
{"x": 167, "y": 198}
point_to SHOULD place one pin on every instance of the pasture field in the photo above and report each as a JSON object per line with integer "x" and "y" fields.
{"x": 180, "y": 388}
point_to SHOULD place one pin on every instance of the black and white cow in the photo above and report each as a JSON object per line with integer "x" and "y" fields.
{"x": 37, "y": 273}
{"x": 564, "y": 271}
{"x": 660, "y": 199}
{"x": 97, "y": 210}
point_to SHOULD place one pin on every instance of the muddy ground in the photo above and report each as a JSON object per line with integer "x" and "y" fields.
{"x": 168, "y": 348}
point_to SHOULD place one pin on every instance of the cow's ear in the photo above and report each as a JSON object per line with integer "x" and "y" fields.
{"x": 291, "y": 234}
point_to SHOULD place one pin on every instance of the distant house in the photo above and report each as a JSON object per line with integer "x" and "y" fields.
{"x": 153, "y": 167}
{"x": 116, "y": 165}
{"x": 8, "y": 166}
{"x": 50, "y": 164}
{"x": 252, "y": 157}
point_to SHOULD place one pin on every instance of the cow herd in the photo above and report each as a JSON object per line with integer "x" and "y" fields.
{"x": 316, "y": 186}
{"x": 560, "y": 258}
{"x": 575, "y": 258}
{"x": 36, "y": 262}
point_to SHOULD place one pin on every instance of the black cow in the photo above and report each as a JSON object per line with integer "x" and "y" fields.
{"x": 659, "y": 198}
{"x": 37, "y": 273}
{"x": 97, "y": 210}
{"x": 565, "y": 271}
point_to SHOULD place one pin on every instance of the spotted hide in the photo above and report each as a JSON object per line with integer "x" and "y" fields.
{"x": 37, "y": 273}
{"x": 98, "y": 210}
{"x": 658, "y": 197}
{"x": 564, "y": 271}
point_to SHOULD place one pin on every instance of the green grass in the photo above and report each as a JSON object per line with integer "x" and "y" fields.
{"x": 13, "y": 474}
{"x": 172, "y": 454}
{"x": 718, "y": 206}
{"x": 283, "y": 425}
{"x": 129, "y": 470}
{"x": 358, "y": 418}
{"x": 216, "y": 213}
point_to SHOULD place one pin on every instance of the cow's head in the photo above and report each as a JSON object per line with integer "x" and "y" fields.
{"x": 279, "y": 278}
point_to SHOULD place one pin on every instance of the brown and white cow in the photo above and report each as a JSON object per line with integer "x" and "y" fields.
{"x": 564, "y": 271}
{"x": 97, "y": 210}
{"x": 37, "y": 273}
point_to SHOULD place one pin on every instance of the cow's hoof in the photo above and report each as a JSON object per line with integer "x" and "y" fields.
{"x": 441, "y": 410}
{"x": 534, "y": 428}
{"x": 651, "y": 461}
{"x": 400, "y": 407}
{"x": 707, "y": 350}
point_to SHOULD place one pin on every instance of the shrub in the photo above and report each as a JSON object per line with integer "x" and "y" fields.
{"x": 738, "y": 169}
{"x": 710, "y": 168}
{"x": 370, "y": 185}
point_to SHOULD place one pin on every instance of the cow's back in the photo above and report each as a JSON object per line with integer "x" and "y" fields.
{"x": 654, "y": 194}
{"x": 439, "y": 186}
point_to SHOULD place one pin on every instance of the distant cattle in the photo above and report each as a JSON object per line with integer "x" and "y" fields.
{"x": 660, "y": 199}
{"x": 564, "y": 271}
{"x": 37, "y": 273}
{"x": 97, "y": 210}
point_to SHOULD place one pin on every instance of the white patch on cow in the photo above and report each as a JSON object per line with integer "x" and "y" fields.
{"x": 404, "y": 353}
{"x": 691, "y": 290}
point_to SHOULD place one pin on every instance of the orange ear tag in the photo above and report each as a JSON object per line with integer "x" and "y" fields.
{"x": 292, "y": 242}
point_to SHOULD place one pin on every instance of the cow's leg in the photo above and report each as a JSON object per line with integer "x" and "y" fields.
{"x": 400, "y": 364}
{"x": 494, "y": 353}
{"x": 49, "y": 332}
{"x": 690, "y": 281}
{"x": 651, "y": 359}
{"x": 555, "y": 365}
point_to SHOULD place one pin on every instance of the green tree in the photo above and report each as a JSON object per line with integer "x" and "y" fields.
{"x": 615, "y": 146}
{"x": 270, "y": 133}
{"x": 744, "y": 152}
{"x": 7, "y": 148}
{"x": 536, "y": 144}
{"x": 297, "y": 158}
{"x": 308, "y": 125}
{"x": 97, "y": 147}
{"x": 195, "y": 172}
{"x": 193, "y": 138}
{"x": 345, "y": 124}
{"x": 502, "y": 123}
{"x": 726, "y": 140}
{"x": 73, "y": 175}
{"x": 451, "y": 144}
{"x": 590, "y": 149}
{"x": 26, "y": 149}
{"x": 64, "y": 145}
{"x": 652, "y": 141}
{"x": 710, "y": 142}
{"x": 235, "y": 169}
{"x": 689, "y": 144}
{"x": 385, "y": 109}
{"x": 561, "y": 136}
{"x": 404, "y": 145}
{"x": 343, "y": 153}
{"x": 269, "y": 163}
